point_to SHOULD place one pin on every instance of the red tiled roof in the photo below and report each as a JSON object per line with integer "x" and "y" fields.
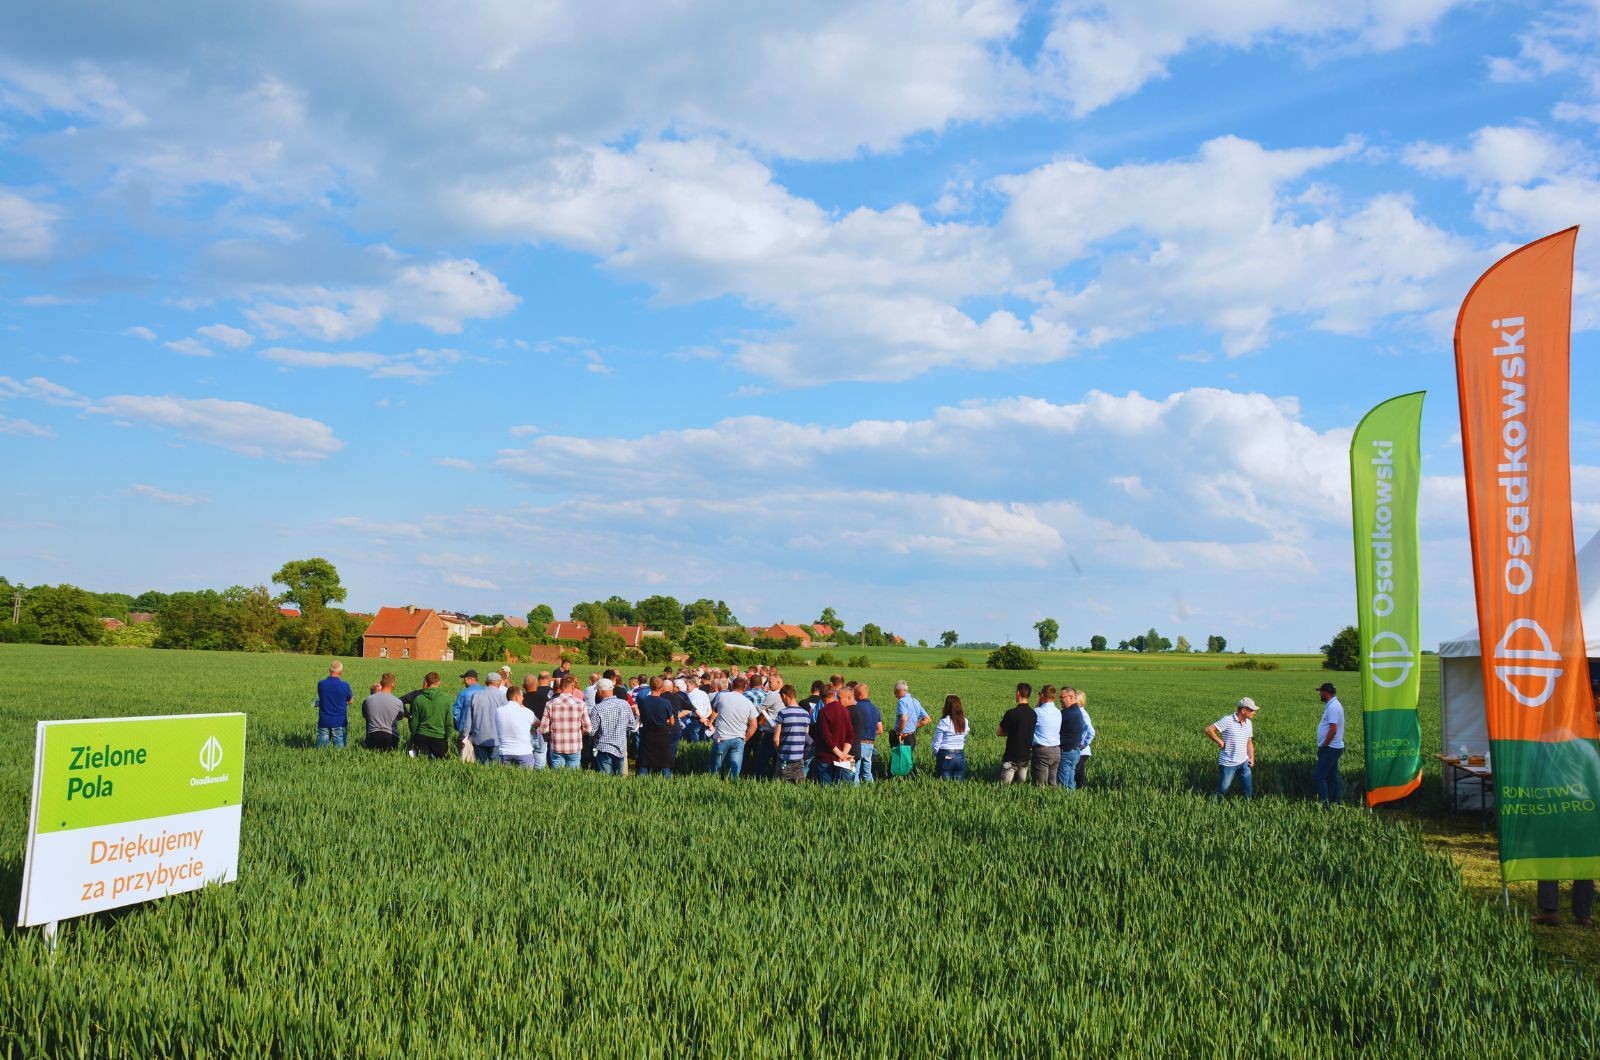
{"x": 398, "y": 622}
{"x": 567, "y": 631}
{"x": 138, "y": 617}
{"x": 780, "y": 630}
{"x": 289, "y": 612}
{"x": 631, "y": 635}
{"x": 823, "y": 629}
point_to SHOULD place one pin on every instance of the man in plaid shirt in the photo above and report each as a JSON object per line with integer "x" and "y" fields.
{"x": 566, "y": 722}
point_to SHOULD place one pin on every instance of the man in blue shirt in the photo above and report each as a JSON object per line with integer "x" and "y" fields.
{"x": 869, "y": 723}
{"x": 909, "y": 716}
{"x": 463, "y": 703}
{"x": 333, "y": 707}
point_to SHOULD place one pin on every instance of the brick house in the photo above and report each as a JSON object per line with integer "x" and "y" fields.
{"x": 406, "y": 633}
{"x": 782, "y": 630}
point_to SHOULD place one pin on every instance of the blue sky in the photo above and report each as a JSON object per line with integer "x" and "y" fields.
{"x": 946, "y": 315}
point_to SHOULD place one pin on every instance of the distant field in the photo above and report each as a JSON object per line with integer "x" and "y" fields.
{"x": 387, "y": 904}
{"x": 912, "y": 658}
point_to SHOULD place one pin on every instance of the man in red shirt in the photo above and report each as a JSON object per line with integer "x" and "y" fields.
{"x": 834, "y": 736}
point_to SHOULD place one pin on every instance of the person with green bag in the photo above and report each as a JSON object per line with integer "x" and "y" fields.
{"x": 909, "y": 716}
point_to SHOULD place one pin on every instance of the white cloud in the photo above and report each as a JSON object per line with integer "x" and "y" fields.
{"x": 233, "y": 338}
{"x": 466, "y": 581}
{"x": 139, "y": 331}
{"x": 1099, "y": 51}
{"x": 441, "y": 296}
{"x": 456, "y": 463}
{"x": 190, "y": 347}
{"x": 416, "y": 366}
{"x": 9, "y": 425}
{"x": 239, "y": 426}
{"x": 181, "y": 500}
{"x": 38, "y": 388}
{"x": 27, "y": 227}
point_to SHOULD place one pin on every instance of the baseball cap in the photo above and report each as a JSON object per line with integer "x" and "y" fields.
{"x": 470, "y": 673}
{"x": 1248, "y": 704}
{"x": 1327, "y": 686}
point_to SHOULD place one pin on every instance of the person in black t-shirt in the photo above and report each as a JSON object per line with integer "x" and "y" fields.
{"x": 1017, "y": 727}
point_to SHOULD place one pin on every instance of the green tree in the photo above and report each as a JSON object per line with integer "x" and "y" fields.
{"x": 725, "y": 616}
{"x": 700, "y": 613}
{"x": 922, "y": 643}
{"x": 1012, "y": 657}
{"x": 149, "y": 600}
{"x": 1097, "y": 643}
{"x": 1344, "y": 653}
{"x": 605, "y": 646}
{"x": 64, "y": 614}
{"x": 310, "y": 584}
{"x": 1182, "y": 646}
{"x": 872, "y": 636}
{"x": 662, "y": 612}
{"x": 1216, "y": 645}
{"x": 829, "y": 617}
{"x": 1154, "y": 641}
{"x": 656, "y": 649}
{"x": 620, "y": 610}
{"x": 704, "y": 644}
{"x": 201, "y": 620}
{"x": 1049, "y": 632}
{"x": 258, "y": 620}
{"x": 541, "y": 616}
{"x": 948, "y": 639}
{"x": 594, "y": 615}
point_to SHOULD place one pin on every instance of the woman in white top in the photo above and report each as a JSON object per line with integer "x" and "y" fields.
{"x": 1088, "y": 738}
{"x": 950, "y": 742}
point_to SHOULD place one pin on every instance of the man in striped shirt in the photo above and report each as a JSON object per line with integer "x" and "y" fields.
{"x": 792, "y": 733}
{"x": 1235, "y": 736}
{"x": 612, "y": 718}
{"x": 566, "y": 722}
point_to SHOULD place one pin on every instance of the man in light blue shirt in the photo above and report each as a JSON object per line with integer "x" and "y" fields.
{"x": 1046, "y": 739}
{"x": 463, "y": 703}
{"x": 909, "y": 716}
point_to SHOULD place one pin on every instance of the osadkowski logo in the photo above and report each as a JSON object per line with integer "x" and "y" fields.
{"x": 211, "y": 754}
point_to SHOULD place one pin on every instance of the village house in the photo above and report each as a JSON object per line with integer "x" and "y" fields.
{"x": 783, "y": 631}
{"x": 406, "y": 632}
{"x": 460, "y": 625}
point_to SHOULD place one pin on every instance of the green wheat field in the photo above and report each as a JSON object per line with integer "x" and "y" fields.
{"x": 391, "y": 906}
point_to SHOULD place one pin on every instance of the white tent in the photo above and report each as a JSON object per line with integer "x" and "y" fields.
{"x": 1465, "y": 722}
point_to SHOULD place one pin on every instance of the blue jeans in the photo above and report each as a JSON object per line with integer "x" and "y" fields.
{"x": 566, "y": 759}
{"x": 520, "y": 761}
{"x": 828, "y": 773}
{"x": 1326, "y": 775}
{"x": 1067, "y": 771}
{"x": 608, "y": 763}
{"x": 486, "y": 752}
{"x": 330, "y": 734}
{"x": 541, "y": 751}
{"x": 864, "y": 764}
{"x": 1225, "y": 775}
{"x": 658, "y": 772}
{"x": 727, "y": 754}
{"x": 950, "y": 765}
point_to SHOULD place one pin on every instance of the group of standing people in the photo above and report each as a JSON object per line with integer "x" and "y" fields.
{"x": 756, "y": 723}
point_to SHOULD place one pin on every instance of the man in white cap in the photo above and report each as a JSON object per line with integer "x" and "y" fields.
{"x": 1234, "y": 734}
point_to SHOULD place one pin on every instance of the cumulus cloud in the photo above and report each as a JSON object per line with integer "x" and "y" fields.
{"x": 139, "y": 331}
{"x": 39, "y": 388}
{"x": 12, "y": 426}
{"x": 1098, "y": 51}
{"x": 189, "y": 347}
{"x": 27, "y": 226}
{"x": 232, "y": 337}
{"x": 160, "y": 496}
{"x": 441, "y": 296}
{"x": 239, "y": 426}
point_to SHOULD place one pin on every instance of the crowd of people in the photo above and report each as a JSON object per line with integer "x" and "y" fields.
{"x": 756, "y": 723}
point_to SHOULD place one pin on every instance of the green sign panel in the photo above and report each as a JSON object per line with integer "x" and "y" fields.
{"x": 109, "y": 771}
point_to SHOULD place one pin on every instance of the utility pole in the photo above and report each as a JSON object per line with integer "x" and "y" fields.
{"x": 16, "y": 608}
